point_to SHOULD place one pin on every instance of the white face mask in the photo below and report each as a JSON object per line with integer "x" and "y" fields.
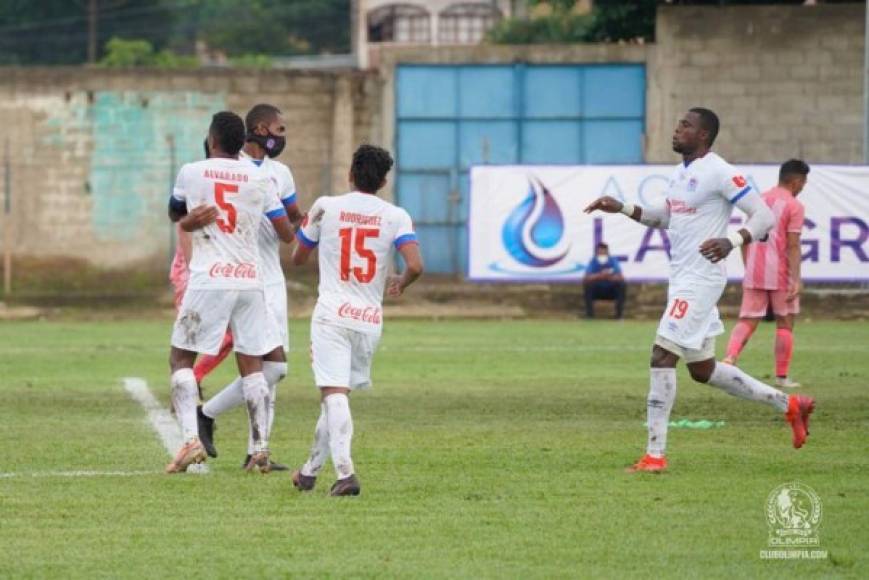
{"x": 602, "y": 259}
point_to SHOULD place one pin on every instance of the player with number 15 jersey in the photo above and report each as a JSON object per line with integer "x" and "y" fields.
{"x": 357, "y": 235}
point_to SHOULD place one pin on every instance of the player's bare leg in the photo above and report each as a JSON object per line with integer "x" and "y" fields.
{"x": 784, "y": 350}
{"x": 739, "y": 337}
{"x": 734, "y": 381}
{"x": 256, "y": 395}
{"x": 184, "y": 397}
{"x": 659, "y": 403}
{"x": 208, "y": 363}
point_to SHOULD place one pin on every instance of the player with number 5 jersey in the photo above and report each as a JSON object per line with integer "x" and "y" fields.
{"x": 357, "y": 235}
{"x": 222, "y": 200}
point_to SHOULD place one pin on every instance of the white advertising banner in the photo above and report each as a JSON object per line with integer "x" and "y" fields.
{"x": 526, "y": 223}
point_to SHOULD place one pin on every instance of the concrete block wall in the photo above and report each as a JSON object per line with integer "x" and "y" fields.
{"x": 94, "y": 152}
{"x": 786, "y": 81}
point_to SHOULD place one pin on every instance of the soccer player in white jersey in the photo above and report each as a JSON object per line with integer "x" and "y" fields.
{"x": 265, "y": 140}
{"x": 222, "y": 200}
{"x": 702, "y": 192}
{"x": 357, "y": 234}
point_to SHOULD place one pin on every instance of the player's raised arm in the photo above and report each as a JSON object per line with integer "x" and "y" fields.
{"x": 653, "y": 216}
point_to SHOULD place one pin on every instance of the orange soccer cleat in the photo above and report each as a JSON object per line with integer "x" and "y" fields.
{"x": 799, "y": 409}
{"x": 649, "y": 464}
{"x": 191, "y": 452}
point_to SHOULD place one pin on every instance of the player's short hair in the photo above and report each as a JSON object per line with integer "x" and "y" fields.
{"x": 369, "y": 168}
{"x": 709, "y": 122}
{"x": 261, "y": 113}
{"x": 602, "y": 245}
{"x": 227, "y": 128}
{"x": 792, "y": 168}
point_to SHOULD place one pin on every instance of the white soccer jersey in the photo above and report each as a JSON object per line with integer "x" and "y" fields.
{"x": 269, "y": 243}
{"x": 700, "y": 200}
{"x": 225, "y": 253}
{"x": 357, "y": 234}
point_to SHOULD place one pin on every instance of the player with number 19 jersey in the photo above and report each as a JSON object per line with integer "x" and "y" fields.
{"x": 357, "y": 235}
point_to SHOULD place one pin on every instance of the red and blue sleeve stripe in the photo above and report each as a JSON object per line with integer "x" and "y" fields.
{"x": 276, "y": 213}
{"x": 741, "y": 194}
{"x": 405, "y": 239}
{"x": 305, "y": 241}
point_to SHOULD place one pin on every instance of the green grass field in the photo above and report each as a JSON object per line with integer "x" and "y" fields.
{"x": 486, "y": 449}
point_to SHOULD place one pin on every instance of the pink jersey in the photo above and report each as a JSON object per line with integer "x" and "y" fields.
{"x": 766, "y": 264}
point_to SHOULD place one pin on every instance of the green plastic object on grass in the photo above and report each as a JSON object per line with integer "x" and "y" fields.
{"x": 699, "y": 424}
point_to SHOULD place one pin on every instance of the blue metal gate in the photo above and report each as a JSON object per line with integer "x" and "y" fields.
{"x": 449, "y": 118}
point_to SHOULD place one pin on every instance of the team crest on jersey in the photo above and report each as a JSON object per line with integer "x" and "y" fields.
{"x": 692, "y": 184}
{"x": 739, "y": 181}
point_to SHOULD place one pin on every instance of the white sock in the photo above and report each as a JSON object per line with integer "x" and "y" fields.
{"x": 230, "y": 397}
{"x": 185, "y": 395}
{"x": 320, "y": 448}
{"x": 256, "y": 394}
{"x": 274, "y": 373}
{"x": 340, "y": 427}
{"x": 662, "y": 394}
{"x": 735, "y": 382}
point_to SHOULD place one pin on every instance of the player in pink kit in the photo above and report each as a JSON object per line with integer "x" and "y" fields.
{"x": 357, "y": 234}
{"x": 221, "y": 200}
{"x": 701, "y": 194}
{"x": 772, "y": 273}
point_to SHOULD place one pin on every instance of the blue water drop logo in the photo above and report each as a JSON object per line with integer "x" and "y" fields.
{"x": 532, "y": 231}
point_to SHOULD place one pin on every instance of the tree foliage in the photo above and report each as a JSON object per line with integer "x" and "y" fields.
{"x": 558, "y": 22}
{"x": 56, "y": 31}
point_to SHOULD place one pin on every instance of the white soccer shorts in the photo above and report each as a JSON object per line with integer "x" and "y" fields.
{"x": 205, "y": 315}
{"x": 341, "y": 357}
{"x": 276, "y": 302}
{"x": 690, "y": 322}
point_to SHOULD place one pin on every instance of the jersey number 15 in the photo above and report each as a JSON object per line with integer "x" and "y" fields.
{"x": 348, "y": 244}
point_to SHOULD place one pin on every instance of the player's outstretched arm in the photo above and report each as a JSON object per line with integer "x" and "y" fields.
{"x": 652, "y": 216}
{"x": 413, "y": 269}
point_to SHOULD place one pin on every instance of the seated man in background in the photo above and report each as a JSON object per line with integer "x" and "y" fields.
{"x": 604, "y": 281}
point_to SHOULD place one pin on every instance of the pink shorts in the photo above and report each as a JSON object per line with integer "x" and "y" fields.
{"x": 756, "y": 301}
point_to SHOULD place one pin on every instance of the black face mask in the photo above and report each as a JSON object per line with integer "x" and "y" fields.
{"x": 272, "y": 144}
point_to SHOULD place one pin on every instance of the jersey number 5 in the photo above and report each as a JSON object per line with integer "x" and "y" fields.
{"x": 220, "y": 190}
{"x": 364, "y": 276}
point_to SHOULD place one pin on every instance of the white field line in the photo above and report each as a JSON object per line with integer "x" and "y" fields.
{"x": 161, "y": 420}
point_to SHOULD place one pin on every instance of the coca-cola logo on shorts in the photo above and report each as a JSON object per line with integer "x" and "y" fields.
{"x": 243, "y": 270}
{"x": 370, "y": 314}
